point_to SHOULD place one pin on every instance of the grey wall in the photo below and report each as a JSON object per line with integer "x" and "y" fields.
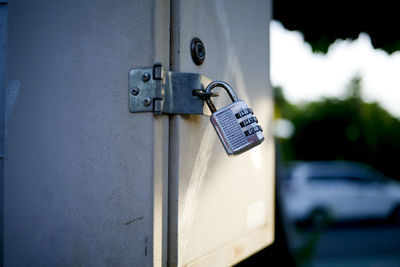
{"x": 82, "y": 174}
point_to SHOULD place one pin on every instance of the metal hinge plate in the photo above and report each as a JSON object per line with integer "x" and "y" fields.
{"x": 156, "y": 90}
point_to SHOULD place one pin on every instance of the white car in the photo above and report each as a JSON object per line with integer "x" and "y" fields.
{"x": 315, "y": 191}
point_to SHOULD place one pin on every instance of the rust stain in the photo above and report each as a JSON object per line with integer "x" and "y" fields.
{"x": 238, "y": 250}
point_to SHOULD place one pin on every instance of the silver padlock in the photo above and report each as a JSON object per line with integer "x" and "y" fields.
{"x": 235, "y": 124}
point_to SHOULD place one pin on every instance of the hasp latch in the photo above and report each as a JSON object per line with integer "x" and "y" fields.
{"x": 166, "y": 92}
{"x": 155, "y": 90}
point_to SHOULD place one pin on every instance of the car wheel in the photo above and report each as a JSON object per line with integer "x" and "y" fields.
{"x": 320, "y": 218}
{"x": 395, "y": 215}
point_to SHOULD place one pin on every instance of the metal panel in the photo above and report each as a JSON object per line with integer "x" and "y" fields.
{"x": 220, "y": 207}
{"x": 3, "y": 52}
{"x": 85, "y": 179}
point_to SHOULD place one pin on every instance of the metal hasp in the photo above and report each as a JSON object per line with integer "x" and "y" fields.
{"x": 165, "y": 92}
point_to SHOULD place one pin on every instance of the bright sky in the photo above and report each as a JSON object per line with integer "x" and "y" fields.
{"x": 306, "y": 76}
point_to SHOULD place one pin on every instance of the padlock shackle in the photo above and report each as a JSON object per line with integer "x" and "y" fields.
{"x": 227, "y": 88}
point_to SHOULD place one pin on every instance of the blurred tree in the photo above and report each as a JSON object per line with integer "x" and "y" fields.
{"x": 323, "y": 22}
{"x": 342, "y": 129}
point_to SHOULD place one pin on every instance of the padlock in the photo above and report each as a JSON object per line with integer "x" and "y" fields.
{"x": 235, "y": 124}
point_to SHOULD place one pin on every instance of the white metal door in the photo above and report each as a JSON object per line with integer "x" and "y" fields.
{"x": 220, "y": 207}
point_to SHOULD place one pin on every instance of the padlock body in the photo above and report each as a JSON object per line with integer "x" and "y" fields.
{"x": 237, "y": 128}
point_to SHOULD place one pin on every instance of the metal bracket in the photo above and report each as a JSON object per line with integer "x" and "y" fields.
{"x": 155, "y": 90}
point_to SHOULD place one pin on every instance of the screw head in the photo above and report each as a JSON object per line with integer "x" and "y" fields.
{"x": 146, "y": 76}
{"x": 147, "y": 101}
{"x": 198, "y": 51}
{"x": 135, "y": 91}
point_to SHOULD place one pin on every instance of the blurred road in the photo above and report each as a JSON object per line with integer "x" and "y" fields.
{"x": 358, "y": 245}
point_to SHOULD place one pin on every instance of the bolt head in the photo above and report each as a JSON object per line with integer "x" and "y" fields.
{"x": 146, "y": 76}
{"x": 147, "y": 101}
{"x": 198, "y": 51}
{"x": 135, "y": 91}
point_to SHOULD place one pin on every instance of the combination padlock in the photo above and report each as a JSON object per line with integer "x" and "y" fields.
{"x": 235, "y": 124}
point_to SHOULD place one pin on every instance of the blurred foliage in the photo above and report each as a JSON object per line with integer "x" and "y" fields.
{"x": 341, "y": 129}
{"x": 323, "y": 22}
